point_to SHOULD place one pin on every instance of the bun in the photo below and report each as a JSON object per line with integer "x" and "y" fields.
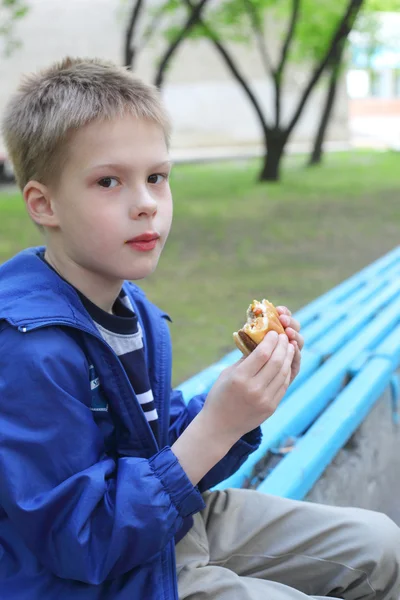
{"x": 261, "y": 318}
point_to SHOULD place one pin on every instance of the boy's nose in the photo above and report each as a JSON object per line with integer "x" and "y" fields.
{"x": 143, "y": 205}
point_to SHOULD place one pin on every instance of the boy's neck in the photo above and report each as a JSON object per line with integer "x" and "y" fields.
{"x": 103, "y": 294}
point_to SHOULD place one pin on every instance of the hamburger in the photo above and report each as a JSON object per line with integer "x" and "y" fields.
{"x": 261, "y": 318}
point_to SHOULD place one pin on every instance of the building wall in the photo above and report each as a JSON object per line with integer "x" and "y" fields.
{"x": 375, "y": 61}
{"x": 208, "y": 109}
{"x": 382, "y": 83}
{"x": 374, "y": 107}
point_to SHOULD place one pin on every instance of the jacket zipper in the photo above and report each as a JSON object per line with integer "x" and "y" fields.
{"x": 171, "y": 583}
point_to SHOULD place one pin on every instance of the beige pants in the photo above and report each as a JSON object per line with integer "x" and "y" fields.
{"x": 249, "y": 546}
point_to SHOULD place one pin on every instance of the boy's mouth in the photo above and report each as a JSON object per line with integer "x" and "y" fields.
{"x": 145, "y": 242}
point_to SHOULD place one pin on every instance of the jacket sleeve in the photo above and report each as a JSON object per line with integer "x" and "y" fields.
{"x": 85, "y": 515}
{"x": 180, "y": 417}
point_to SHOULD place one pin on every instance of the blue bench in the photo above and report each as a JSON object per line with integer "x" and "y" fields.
{"x": 351, "y": 355}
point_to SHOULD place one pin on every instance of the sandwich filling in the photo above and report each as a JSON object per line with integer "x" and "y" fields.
{"x": 261, "y": 318}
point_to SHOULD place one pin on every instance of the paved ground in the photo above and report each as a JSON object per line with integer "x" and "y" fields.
{"x": 365, "y": 472}
{"x": 365, "y": 132}
{"x": 380, "y": 132}
{"x": 200, "y": 154}
{"x": 383, "y": 131}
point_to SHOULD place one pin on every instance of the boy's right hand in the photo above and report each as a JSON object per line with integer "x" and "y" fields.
{"x": 243, "y": 396}
{"x": 248, "y": 393}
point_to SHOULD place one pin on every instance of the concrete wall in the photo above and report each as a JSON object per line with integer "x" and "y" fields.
{"x": 366, "y": 473}
{"x": 207, "y": 107}
{"x": 374, "y": 107}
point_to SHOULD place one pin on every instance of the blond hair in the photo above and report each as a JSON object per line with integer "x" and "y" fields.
{"x": 48, "y": 106}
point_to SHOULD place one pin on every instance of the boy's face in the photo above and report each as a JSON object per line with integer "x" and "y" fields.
{"x": 113, "y": 189}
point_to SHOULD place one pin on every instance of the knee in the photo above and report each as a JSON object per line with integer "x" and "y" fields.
{"x": 380, "y": 538}
{"x": 387, "y": 536}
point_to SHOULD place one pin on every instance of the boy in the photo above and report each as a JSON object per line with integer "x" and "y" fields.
{"x": 102, "y": 467}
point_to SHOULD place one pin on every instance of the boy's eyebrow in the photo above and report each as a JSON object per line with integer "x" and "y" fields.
{"x": 166, "y": 163}
{"x": 163, "y": 164}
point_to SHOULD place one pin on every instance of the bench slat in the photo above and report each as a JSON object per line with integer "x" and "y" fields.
{"x": 337, "y": 313}
{"x": 349, "y": 286}
{"x": 294, "y": 416}
{"x": 333, "y": 340}
{"x": 296, "y": 474}
{"x": 341, "y": 328}
{"x": 318, "y": 325}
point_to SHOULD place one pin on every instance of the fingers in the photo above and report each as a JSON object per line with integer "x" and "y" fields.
{"x": 292, "y": 326}
{"x": 261, "y": 355}
{"x": 277, "y": 388}
{"x": 295, "y": 338}
{"x": 290, "y": 322}
{"x": 275, "y": 363}
{"x": 295, "y": 364}
{"x": 283, "y": 310}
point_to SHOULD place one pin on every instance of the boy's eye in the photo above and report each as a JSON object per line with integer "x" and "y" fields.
{"x": 157, "y": 178}
{"x": 108, "y": 182}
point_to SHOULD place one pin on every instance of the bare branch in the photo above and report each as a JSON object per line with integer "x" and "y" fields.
{"x": 334, "y": 70}
{"x": 130, "y": 46}
{"x": 289, "y": 37}
{"x": 229, "y": 61}
{"x": 278, "y": 74}
{"x": 316, "y": 155}
{"x": 255, "y": 23}
{"x": 151, "y": 29}
{"x": 191, "y": 21}
{"x": 275, "y": 73}
{"x": 342, "y": 31}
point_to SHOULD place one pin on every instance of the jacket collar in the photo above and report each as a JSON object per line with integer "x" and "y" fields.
{"x": 32, "y": 295}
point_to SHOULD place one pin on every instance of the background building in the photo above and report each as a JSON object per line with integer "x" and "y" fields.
{"x": 209, "y": 111}
{"x": 373, "y": 82}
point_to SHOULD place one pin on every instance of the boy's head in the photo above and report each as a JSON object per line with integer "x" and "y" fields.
{"x": 89, "y": 145}
{"x": 51, "y": 105}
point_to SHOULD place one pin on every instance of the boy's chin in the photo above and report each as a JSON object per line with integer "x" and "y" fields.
{"x": 137, "y": 273}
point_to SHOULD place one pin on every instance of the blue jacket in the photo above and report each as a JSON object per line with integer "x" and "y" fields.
{"x": 89, "y": 502}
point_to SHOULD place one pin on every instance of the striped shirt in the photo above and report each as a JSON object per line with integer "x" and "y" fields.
{"x": 121, "y": 330}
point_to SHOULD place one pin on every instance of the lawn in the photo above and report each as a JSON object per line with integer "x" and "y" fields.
{"x": 234, "y": 239}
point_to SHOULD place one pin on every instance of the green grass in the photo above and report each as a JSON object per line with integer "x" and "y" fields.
{"x": 234, "y": 239}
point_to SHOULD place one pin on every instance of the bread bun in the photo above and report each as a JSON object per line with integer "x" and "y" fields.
{"x": 261, "y": 318}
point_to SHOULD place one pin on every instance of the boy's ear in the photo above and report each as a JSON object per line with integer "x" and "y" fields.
{"x": 39, "y": 204}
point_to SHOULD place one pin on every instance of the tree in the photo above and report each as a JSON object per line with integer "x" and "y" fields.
{"x": 366, "y": 26}
{"x": 334, "y": 75}
{"x": 10, "y": 12}
{"x": 174, "y": 35}
{"x": 182, "y": 34}
{"x": 334, "y": 70}
{"x": 233, "y": 14}
{"x": 244, "y": 20}
{"x": 130, "y": 47}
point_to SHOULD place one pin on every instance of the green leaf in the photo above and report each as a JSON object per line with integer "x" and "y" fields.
{"x": 10, "y": 12}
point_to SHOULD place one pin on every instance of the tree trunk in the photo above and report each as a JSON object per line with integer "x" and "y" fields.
{"x": 274, "y": 143}
{"x": 275, "y": 149}
{"x": 317, "y": 152}
{"x": 334, "y": 68}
